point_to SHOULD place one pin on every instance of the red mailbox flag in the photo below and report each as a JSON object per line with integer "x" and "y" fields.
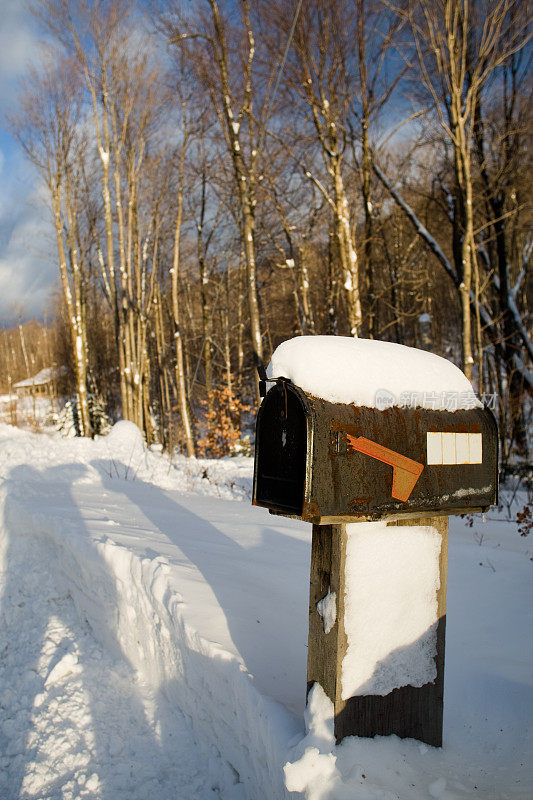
{"x": 405, "y": 471}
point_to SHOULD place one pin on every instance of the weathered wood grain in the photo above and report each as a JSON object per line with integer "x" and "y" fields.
{"x": 409, "y": 711}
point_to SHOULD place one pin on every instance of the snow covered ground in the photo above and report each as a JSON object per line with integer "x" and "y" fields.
{"x": 153, "y": 641}
{"x": 28, "y": 412}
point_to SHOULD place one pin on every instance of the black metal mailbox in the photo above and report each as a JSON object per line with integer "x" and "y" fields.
{"x": 327, "y": 462}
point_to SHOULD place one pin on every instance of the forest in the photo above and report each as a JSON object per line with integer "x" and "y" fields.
{"x": 223, "y": 175}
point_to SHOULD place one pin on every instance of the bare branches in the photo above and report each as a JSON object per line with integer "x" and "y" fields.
{"x": 218, "y": 196}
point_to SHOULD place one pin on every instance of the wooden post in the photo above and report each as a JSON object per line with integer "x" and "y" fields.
{"x": 409, "y": 711}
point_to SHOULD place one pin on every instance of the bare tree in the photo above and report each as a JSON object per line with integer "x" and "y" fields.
{"x": 124, "y": 97}
{"x": 459, "y": 45}
{"x": 47, "y": 128}
{"x": 502, "y": 122}
{"x": 181, "y": 385}
{"x": 290, "y": 210}
{"x": 90, "y": 35}
{"x": 206, "y": 211}
{"x": 223, "y": 58}
{"x": 320, "y": 73}
{"x": 377, "y": 39}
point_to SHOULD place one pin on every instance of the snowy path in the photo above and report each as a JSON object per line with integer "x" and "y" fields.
{"x": 175, "y": 605}
{"x": 75, "y": 721}
{"x": 152, "y": 638}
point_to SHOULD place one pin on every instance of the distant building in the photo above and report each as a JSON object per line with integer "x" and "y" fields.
{"x": 41, "y": 385}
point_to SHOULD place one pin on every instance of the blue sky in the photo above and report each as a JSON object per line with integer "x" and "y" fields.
{"x": 28, "y": 255}
{"x": 28, "y": 269}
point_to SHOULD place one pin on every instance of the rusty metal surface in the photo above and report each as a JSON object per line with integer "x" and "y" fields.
{"x": 363, "y": 463}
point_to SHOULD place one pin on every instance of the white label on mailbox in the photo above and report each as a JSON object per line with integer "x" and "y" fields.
{"x": 449, "y": 453}
{"x": 462, "y": 447}
{"x": 434, "y": 447}
{"x": 476, "y": 448}
{"x": 454, "y": 448}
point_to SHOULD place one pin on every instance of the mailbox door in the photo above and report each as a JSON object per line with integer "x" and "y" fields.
{"x": 281, "y": 445}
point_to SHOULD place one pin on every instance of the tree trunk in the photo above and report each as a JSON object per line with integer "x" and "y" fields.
{"x": 78, "y": 322}
{"x": 347, "y": 254}
{"x": 244, "y": 173}
{"x": 178, "y": 343}
{"x": 307, "y": 311}
{"x": 332, "y": 285}
{"x": 366, "y": 169}
{"x": 73, "y": 305}
{"x": 206, "y": 310}
{"x": 240, "y": 321}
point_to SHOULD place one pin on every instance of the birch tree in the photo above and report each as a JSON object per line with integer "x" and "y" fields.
{"x": 90, "y": 35}
{"x": 320, "y": 73}
{"x": 180, "y": 376}
{"x": 46, "y": 126}
{"x": 223, "y": 57}
{"x": 123, "y": 94}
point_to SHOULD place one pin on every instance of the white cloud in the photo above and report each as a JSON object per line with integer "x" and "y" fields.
{"x": 19, "y": 46}
{"x": 16, "y": 49}
{"x": 28, "y": 271}
{"x": 28, "y": 264}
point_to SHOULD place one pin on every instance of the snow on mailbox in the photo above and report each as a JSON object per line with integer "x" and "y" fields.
{"x": 433, "y": 448}
{"x": 394, "y": 440}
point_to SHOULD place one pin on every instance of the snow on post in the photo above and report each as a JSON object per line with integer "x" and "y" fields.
{"x": 391, "y": 610}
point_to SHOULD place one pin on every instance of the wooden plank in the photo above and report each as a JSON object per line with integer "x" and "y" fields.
{"x": 323, "y": 648}
{"x": 328, "y": 556}
{"x": 409, "y": 711}
{"x": 388, "y": 518}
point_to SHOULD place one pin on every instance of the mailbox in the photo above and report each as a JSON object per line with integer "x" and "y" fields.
{"x": 328, "y": 462}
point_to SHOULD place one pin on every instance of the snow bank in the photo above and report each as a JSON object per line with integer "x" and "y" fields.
{"x": 125, "y": 439}
{"x": 357, "y": 769}
{"x": 135, "y": 609}
{"x": 313, "y": 771}
{"x": 77, "y": 722}
{"x": 122, "y": 455}
{"x": 371, "y": 373}
{"x": 29, "y": 412}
